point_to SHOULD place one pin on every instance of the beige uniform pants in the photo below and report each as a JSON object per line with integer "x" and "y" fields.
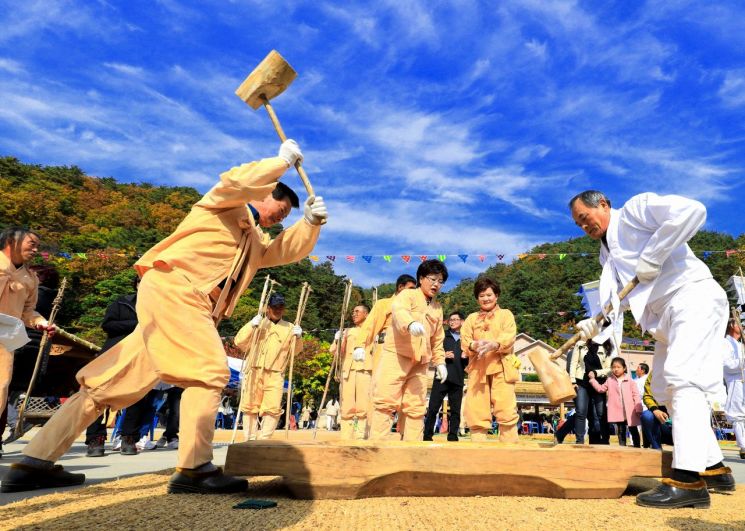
{"x": 6, "y": 373}
{"x": 267, "y": 388}
{"x": 400, "y": 384}
{"x": 355, "y": 394}
{"x": 176, "y": 341}
{"x": 488, "y": 395}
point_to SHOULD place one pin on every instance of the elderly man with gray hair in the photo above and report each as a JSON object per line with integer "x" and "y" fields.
{"x": 684, "y": 309}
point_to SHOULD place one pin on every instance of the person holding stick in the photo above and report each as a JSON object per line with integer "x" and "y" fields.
{"x": 414, "y": 339}
{"x": 190, "y": 281}
{"x": 356, "y": 369}
{"x": 684, "y": 308}
{"x": 266, "y": 385}
{"x": 18, "y": 295}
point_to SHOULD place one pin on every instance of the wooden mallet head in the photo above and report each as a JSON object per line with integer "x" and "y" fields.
{"x": 269, "y": 79}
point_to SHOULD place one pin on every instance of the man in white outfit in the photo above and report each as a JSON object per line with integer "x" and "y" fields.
{"x": 734, "y": 379}
{"x": 684, "y": 309}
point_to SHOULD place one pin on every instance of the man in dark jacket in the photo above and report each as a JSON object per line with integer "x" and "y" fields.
{"x": 453, "y": 386}
{"x": 119, "y": 321}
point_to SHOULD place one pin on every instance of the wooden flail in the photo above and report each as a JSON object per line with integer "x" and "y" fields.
{"x": 301, "y": 303}
{"x": 18, "y": 431}
{"x": 555, "y": 380}
{"x": 336, "y": 360}
{"x": 249, "y": 356}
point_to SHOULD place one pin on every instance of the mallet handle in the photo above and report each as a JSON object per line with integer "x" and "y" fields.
{"x": 283, "y": 137}
{"x": 563, "y": 349}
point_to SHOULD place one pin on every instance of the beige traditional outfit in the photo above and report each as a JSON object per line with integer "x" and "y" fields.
{"x": 190, "y": 281}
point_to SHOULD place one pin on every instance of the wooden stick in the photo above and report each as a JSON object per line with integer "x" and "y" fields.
{"x": 304, "y": 294}
{"x": 282, "y": 136}
{"x": 599, "y": 318}
{"x": 18, "y": 431}
{"x": 337, "y": 351}
{"x": 265, "y": 292}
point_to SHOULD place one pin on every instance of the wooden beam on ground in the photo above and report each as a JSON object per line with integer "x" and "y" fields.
{"x": 364, "y": 469}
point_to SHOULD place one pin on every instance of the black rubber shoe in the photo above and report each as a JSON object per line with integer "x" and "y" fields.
{"x": 22, "y": 477}
{"x": 129, "y": 445}
{"x": 742, "y": 454}
{"x": 186, "y": 481}
{"x": 719, "y": 479}
{"x": 671, "y": 494}
{"x": 452, "y": 438}
{"x": 96, "y": 447}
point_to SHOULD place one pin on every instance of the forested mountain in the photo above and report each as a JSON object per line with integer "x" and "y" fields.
{"x": 105, "y": 225}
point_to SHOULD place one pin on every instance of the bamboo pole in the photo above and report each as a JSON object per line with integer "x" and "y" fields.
{"x": 304, "y": 294}
{"x": 18, "y": 431}
{"x": 337, "y": 351}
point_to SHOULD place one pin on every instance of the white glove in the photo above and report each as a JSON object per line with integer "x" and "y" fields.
{"x": 297, "y": 331}
{"x": 337, "y": 335}
{"x": 290, "y": 152}
{"x": 358, "y": 354}
{"x": 256, "y": 321}
{"x": 588, "y": 328}
{"x": 442, "y": 372}
{"x": 315, "y": 211}
{"x": 416, "y": 329}
{"x": 646, "y": 271}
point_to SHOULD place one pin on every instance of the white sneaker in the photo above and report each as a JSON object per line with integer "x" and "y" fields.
{"x": 145, "y": 443}
{"x": 117, "y": 442}
{"x": 161, "y": 443}
{"x": 173, "y": 444}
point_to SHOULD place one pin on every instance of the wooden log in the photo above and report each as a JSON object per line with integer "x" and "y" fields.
{"x": 364, "y": 469}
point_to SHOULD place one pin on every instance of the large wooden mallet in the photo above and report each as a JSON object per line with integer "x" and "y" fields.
{"x": 268, "y": 80}
{"x": 556, "y": 381}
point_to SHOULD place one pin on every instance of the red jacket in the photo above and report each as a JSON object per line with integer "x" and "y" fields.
{"x": 622, "y": 395}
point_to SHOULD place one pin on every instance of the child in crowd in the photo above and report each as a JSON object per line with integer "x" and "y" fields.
{"x": 624, "y": 402}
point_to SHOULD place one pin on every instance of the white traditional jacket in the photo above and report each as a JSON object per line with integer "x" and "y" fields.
{"x": 655, "y": 228}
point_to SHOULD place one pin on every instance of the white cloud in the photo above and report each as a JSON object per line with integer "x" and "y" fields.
{"x": 732, "y": 90}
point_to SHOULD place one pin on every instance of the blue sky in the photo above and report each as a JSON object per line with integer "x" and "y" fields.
{"x": 430, "y": 127}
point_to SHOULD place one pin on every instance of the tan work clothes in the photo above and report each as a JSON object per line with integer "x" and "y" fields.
{"x": 176, "y": 340}
{"x": 356, "y": 375}
{"x": 401, "y": 374}
{"x": 18, "y": 295}
{"x": 491, "y": 378}
{"x": 266, "y": 383}
{"x": 376, "y": 323}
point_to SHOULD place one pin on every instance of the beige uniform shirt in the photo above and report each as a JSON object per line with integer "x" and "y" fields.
{"x": 497, "y": 325}
{"x": 408, "y": 306}
{"x": 274, "y": 341}
{"x": 219, "y": 240}
{"x": 351, "y": 336}
{"x": 376, "y": 322}
{"x": 19, "y": 292}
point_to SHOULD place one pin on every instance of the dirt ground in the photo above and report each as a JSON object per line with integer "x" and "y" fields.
{"x": 142, "y": 503}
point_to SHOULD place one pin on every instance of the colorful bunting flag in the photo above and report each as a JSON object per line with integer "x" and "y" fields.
{"x": 314, "y": 257}
{"x": 331, "y": 257}
{"x": 707, "y": 254}
{"x": 729, "y": 252}
{"x": 542, "y": 256}
{"x": 406, "y": 258}
{"x": 387, "y": 257}
{"x": 84, "y": 256}
{"x": 350, "y": 259}
{"x": 562, "y": 256}
{"x": 500, "y": 256}
{"x": 442, "y": 257}
{"x": 423, "y": 257}
{"x": 367, "y": 258}
{"x": 463, "y": 257}
{"x": 521, "y": 256}
{"x": 482, "y": 258}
